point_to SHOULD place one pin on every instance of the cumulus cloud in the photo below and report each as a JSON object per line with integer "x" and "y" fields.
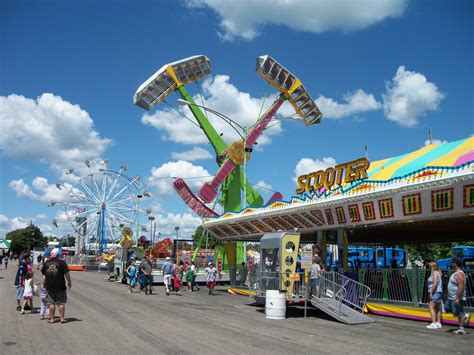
{"x": 194, "y": 175}
{"x": 186, "y": 222}
{"x": 197, "y": 153}
{"x": 8, "y": 224}
{"x": 49, "y": 130}
{"x": 220, "y": 95}
{"x": 40, "y": 190}
{"x": 262, "y": 186}
{"x": 409, "y": 96}
{"x": 308, "y": 165}
{"x": 354, "y": 103}
{"x": 245, "y": 18}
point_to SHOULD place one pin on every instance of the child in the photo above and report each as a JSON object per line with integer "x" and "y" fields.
{"x": 177, "y": 281}
{"x": 28, "y": 293}
{"x": 131, "y": 271}
{"x": 189, "y": 279}
{"x": 44, "y": 311}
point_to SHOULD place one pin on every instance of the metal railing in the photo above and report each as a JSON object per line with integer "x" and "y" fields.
{"x": 345, "y": 290}
{"x": 408, "y": 286}
{"x": 293, "y": 284}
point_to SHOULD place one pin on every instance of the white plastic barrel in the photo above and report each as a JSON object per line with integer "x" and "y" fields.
{"x": 275, "y": 304}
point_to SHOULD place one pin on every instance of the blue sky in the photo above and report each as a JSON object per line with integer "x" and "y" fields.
{"x": 382, "y": 73}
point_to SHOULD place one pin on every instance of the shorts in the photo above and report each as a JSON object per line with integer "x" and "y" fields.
{"x": 148, "y": 280}
{"x": 132, "y": 281}
{"x": 27, "y": 298}
{"x": 456, "y": 309}
{"x": 167, "y": 280}
{"x": 211, "y": 284}
{"x": 437, "y": 297}
{"x": 19, "y": 293}
{"x": 56, "y": 297}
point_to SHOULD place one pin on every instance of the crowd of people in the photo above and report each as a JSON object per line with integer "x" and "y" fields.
{"x": 51, "y": 290}
{"x": 177, "y": 277}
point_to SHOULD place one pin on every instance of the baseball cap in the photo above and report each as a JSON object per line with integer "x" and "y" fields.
{"x": 167, "y": 258}
{"x": 54, "y": 252}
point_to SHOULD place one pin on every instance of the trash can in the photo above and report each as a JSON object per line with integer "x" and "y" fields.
{"x": 275, "y": 304}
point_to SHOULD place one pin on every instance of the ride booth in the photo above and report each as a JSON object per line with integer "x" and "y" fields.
{"x": 278, "y": 266}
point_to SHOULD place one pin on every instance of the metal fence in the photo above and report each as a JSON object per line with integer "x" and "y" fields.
{"x": 407, "y": 286}
{"x": 293, "y": 283}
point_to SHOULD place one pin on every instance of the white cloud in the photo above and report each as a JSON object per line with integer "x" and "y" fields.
{"x": 308, "y": 165}
{"x": 245, "y": 18}
{"x": 220, "y": 95}
{"x": 194, "y": 175}
{"x": 409, "y": 96}
{"x": 40, "y": 190}
{"x": 197, "y": 153}
{"x": 355, "y": 103}
{"x": 10, "y": 224}
{"x": 435, "y": 142}
{"x": 262, "y": 186}
{"x": 48, "y": 129}
{"x": 187, "y": 223}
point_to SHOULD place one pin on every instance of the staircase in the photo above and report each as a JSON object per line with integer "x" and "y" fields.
{"x": 342, "y": 298}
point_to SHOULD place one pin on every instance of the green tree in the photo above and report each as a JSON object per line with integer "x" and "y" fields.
{"x": 68, "y": 241}
{"x": 211, "y": 242}
{"x": 26, "y": 239}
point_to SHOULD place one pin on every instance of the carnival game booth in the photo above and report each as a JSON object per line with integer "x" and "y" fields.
{"x": 424, "y": 196}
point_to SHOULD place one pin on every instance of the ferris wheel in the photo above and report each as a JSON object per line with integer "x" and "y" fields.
{"x": 100, "y": 204}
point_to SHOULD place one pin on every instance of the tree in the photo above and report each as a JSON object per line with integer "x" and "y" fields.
{"x": 26, "y": 239}
{"x": 211, "y": 242}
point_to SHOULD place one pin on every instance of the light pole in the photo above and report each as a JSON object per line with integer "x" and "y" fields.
{"x": 151, "y": 219}
{"x": 177, "y": 241}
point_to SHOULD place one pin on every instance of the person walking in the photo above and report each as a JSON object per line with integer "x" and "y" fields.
{"x": 5, "y": 261}
{"x": 242, "y": 275}
{"x": 167, "y": 273}
{"x": 55, "y": 272}
{"x": 20, "y": 280}
{"x": 435, "y": 289}
{"x": 314, "y": 277}
{"x": 131, "y": 272}
{"x": 28, "y": 292}
{"x": 211, "y": 276}
{"x": 177, "y": 277}
{"x": 44, "y": 310}
{"x": 147, "y": 274}
{"x": 457, "y": 296}
{"x": 193, "y": 281}
{"x": 189, "y": 278}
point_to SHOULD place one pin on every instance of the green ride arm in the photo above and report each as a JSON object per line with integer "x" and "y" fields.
{"x": 198, "y": 246}
{"x": 253, "y": 196}
{"x": 214, "y": 138}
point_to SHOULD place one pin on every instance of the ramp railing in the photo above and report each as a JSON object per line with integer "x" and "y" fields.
{"x": 344, "y": 290}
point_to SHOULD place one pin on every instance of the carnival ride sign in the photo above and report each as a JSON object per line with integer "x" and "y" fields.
{"x": 333, "y": 176}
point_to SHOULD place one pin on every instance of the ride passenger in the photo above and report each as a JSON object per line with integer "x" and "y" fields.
{"x": 435, "y": 289}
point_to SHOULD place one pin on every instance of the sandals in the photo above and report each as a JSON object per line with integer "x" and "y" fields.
{"x": 50, "y": 321}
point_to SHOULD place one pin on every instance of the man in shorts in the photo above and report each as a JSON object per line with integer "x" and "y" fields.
{"x": 145, "y": 266}
{"x": 457, "y": 296}
{"x": 167, "y": 274}
{"x": 55, "y": 270}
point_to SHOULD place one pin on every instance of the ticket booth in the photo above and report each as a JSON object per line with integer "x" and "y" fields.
{"x": 278, "y": 261}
